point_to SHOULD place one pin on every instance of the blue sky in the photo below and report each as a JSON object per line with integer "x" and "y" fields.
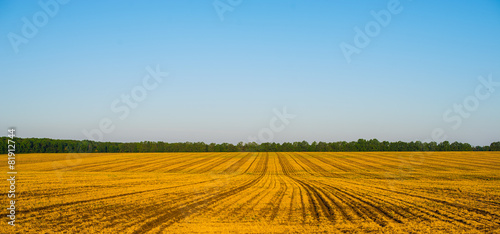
{"x": 227, "y": 75}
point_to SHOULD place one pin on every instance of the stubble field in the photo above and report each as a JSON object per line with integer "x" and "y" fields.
{"x": 434, "y": 192}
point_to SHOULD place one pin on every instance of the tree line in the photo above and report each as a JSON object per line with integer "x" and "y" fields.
{"x": 45, "y": 145}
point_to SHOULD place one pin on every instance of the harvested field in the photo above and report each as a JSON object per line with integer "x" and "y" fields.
{"x": 431, "y": 192}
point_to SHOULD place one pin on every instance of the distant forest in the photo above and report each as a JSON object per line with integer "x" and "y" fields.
{"x": 45, "y": 145}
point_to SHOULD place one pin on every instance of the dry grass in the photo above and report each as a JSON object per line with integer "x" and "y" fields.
{"x": 257, "y": 193}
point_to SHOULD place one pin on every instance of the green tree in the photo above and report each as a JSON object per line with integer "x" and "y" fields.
{"x": 495, "y": 146}
{"x": 444, "y": 146}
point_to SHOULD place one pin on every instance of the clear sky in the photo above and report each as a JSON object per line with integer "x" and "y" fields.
{"x": 64, "y": 65}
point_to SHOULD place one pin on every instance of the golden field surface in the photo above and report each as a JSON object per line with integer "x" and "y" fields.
{"x": 306, "y": 192}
